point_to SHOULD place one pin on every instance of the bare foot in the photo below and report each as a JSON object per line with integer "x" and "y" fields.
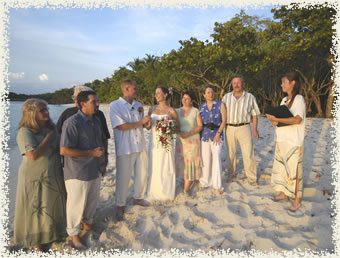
{"x": 77, "y": 244}
{"x": 281, "y": 197}
{"x": 295, "y": 206}
{"x": 34, "y": 249}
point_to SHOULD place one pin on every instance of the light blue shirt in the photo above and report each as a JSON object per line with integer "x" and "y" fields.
{"x": 78, "y": 132}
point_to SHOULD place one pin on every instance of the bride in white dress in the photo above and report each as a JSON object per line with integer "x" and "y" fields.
{"x": 162, "y": 184}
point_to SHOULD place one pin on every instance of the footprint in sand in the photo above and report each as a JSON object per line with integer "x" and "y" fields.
{"x": 174, "y": 218}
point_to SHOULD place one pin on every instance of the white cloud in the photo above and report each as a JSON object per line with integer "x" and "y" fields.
{"x": 16, "y": 75}
{"x": 43, "y": 77}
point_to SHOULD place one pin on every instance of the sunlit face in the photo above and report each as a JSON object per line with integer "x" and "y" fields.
{"x": 237, "y": 84}
{"x": 186, "y": 100}
{"x": 90, "y": 107}
{"x": 209, "y": 94}
{"x": 160, "y": 95}
{"x": 131, "y": 91}
{"x": 42, "y": 114}
{"x": 286, "y": 85}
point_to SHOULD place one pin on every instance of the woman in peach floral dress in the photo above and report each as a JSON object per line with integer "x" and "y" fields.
{"x": 188, "y": 149}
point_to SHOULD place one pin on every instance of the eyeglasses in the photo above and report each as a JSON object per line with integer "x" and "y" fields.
{"x": 43, "y": 110}
{"x": 73, "y": 97}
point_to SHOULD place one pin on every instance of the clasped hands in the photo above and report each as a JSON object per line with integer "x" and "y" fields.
{"x": 272, "y": 119}
{"x": 146, "y": 121}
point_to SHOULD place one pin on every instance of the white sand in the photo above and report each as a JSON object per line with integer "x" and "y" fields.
{"x": 243, "y": 218}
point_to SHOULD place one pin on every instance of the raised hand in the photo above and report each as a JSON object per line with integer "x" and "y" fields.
{"x": 50, "y": 135}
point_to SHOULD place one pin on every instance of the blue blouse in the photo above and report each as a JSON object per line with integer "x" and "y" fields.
{"x": 211, "y": 116}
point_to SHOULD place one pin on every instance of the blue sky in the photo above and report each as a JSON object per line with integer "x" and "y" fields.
{"x": 55, "y": 49}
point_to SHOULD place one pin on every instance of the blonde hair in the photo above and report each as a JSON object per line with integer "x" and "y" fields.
{"x": 29, "y": 112}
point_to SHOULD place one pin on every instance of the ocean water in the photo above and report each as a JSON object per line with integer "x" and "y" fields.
{"x": 15, "y": 158}
{"x": 15, "y": 114}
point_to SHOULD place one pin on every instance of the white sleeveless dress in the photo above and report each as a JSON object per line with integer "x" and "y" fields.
{"x": 162, "y": 183}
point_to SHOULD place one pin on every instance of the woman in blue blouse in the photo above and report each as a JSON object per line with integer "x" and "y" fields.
{"x": 214, "y": 116}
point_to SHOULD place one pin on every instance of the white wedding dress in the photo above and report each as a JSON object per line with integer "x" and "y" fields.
{"x": 162, "y": 174}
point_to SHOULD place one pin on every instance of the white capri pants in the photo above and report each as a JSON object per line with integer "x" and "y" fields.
{"x": 212, "y": 165}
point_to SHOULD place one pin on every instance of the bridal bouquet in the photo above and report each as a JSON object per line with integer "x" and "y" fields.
{"x": 165, "y": 129}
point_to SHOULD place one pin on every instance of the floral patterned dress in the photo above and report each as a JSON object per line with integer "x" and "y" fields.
{"x": 188, "y": 150}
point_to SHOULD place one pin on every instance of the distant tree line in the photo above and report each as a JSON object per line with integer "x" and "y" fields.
{"x": 262, "y": 50}
{"x": 62, "y": 96}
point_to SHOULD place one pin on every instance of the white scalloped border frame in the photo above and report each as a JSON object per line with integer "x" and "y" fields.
{"x": 5, "y": 5}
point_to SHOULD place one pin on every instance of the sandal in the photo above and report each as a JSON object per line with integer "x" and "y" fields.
{"x": 84, "y": 229}
{"x": 220, "y": 191}
{"x": 120, "y": 214}
{"x": 140, "y": 202}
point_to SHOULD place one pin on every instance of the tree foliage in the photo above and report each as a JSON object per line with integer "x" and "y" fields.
{"x": 262, "y": 50}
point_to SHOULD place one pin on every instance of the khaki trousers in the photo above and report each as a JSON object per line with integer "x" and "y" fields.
{"x": 81, "y": 203}
{"x": 241, "y": 135}
{"x": 135, "y": 163}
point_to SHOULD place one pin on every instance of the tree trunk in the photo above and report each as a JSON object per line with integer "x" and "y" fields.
{"x": 317, "y": 102}
{"x": 308, "y": 102}
{"x": 329, "y": 105}
{"x": 221, "y": 94}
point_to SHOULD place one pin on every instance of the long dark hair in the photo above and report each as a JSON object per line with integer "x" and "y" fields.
{"x": 165, "y": 91}
{"x": 294, "y": 76}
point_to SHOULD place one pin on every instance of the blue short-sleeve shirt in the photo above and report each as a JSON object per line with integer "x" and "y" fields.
{"x": 211, "y": 116}
{"x": 78, "y": 132}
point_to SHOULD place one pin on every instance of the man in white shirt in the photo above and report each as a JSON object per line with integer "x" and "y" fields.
{"x": 127, "y": 120}
{"x": 241, "y": 110}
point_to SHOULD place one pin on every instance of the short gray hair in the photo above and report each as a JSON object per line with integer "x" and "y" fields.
{"x": 81, "y": 88}
{"x": 238, "y": 76}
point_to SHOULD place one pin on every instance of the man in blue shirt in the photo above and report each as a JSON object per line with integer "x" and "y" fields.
{"x": 82, "y": 145}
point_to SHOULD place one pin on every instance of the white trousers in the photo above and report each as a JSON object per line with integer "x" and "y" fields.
{"x": 242, "y": 135}
{"x": 212, "y": 165}
{"x": 81, "y": 203}
{"x": 136, "y": 163}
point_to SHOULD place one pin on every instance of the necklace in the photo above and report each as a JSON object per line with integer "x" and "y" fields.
{"x": 162, "y": 109}
{"x": 287, "y": 100}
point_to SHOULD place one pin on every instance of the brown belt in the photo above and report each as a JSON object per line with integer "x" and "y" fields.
{"x": 238, "y": 124}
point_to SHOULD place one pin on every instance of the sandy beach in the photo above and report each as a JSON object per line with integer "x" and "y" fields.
{"x": 243, "y": 218}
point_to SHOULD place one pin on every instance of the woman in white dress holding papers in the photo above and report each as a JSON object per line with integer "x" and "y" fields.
{"x": 287, "y": 170}
{"x": 162, "y": 172}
